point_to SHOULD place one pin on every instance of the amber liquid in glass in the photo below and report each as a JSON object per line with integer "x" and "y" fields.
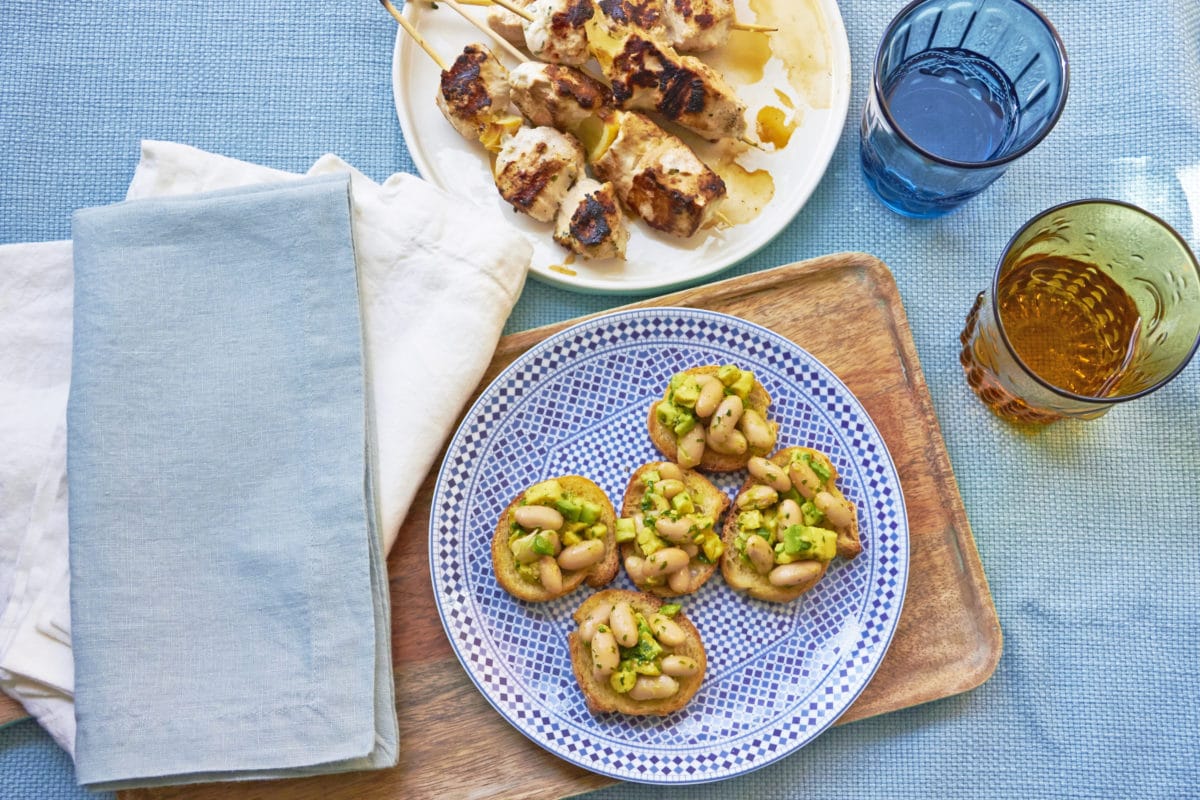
{"x": 1072, "y": 325}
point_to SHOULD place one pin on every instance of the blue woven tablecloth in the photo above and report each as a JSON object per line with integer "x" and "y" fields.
{"x": 1087, "y": 531}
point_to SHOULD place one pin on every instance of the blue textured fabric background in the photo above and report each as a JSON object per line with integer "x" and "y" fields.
{"x": 1087, "y": 531}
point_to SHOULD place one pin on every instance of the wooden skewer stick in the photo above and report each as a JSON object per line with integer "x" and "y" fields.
{"x": 752, "y": 27}
{"x": 523, "y": 14}
{"x": 503, "y": 43}
{"x": 414, "y": 33}
{"x": 514, "y": 8}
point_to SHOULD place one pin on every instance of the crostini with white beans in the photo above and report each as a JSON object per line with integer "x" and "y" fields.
{"x": 554, "y": 536}
{"x": 788, "y": 522}
{"x": 635, "y": 654}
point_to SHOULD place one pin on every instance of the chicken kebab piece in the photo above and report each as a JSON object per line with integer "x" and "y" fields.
{"x": 656, "y": 175}
{"x": 690, "y": 26}
{"x": 647, "y": 74}
{"x": 552, "y": 30}
{"x": 539, "y": 171}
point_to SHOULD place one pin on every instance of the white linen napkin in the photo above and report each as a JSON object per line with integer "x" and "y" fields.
{"x": 436, "y": 286}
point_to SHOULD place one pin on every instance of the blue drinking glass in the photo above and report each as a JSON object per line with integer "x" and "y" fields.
{"x": 961, "y": 89}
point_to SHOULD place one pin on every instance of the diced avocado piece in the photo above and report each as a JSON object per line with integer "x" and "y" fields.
{"x": 569, "y": 538}
{"x": 647, "y": 647}
{"x": 597, "y": 531}
{"x": 652, "y": 501}
{"x": 792, "y": 494}
{"x": 546, "y": 493}
{"x": 728, "y": 374}
{"x": 811, "y": 514}
{"x": 569, "y": 507}
{"x": 712, "y": 547}
{"x": 677, "y": 379}
{"x": 542, "y": 545}
{"x": 682, "y": 503}
{"x": 626, "y": 530}
{"x": 576, "y": 528}
{"x": 669, "y": 609}
{"x": 686, "y": 393}
{"x": 684, "y": 423}
{"x": 650, "y": 477}
{"x": 649, "y": 542}
{"x": 750, "y": 520}
{"x": 666, "y": 412}
{"x": 650, "y": 668}
{"x": 623, "y": 679}
{"x": 529, "y": 572}
{"x": 742, "y": 386}
{"x": 808, "y": 542}
{"x": 589, "y": 512}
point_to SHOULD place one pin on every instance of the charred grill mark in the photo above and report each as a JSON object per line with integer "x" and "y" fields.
{"x": 572, "y": 19}
{"x": 462, "y": 86}
{"x": 527, "y": 185}
{"x": 589, "y": 224}
{"x": 642, "y": 15}
{"x": 686, "y": 10}
{"x": 586, "y": 93}
{"x": 681, "y": 90}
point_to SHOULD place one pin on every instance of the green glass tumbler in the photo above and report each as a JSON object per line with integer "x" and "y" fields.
{"x": 1093, "y": 303}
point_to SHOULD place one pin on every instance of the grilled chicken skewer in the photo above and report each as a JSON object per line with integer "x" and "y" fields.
{"x": 648, "y": 74}
{"x": 656, "y": 175}
{"x": 589, "y": 220}
{"x": 691, "y": 26}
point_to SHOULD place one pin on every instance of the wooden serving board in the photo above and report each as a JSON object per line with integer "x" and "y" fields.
{"x": 844, "y": 309}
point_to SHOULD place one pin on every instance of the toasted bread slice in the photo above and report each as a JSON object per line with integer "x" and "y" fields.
{"x": 741, "y": 575}
{"x": 599, "y": 692}
{"x": 597, "y": 575}
{"x": 709, "y": 501}
{"x": 665, "y": 439}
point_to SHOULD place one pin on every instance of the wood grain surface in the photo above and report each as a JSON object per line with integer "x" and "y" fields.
{"x": 844, "y": 309}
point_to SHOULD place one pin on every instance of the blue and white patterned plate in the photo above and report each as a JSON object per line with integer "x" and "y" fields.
{"x": 778, "y": 675}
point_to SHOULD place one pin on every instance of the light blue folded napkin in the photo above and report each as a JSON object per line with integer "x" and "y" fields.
{"x": 228, "y": 592}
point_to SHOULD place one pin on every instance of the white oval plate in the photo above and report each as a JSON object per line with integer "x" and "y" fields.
{"x": 654, "y": 261}
{"x": 778, "y": 674}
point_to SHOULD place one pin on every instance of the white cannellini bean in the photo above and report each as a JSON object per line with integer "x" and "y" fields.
{"x": 596, "y": 617}
{"x": 759, "y": 434}
{"x": 674, "y": 530}
{"x": 669, "y": 472}
{"x": 680, "y": 581}
{"x": 624, "y": 624}
{"x": 789, "y": 514}
{"x": 680, "y": 666}
{"x": 636, "y": 567}
{"x": 772, "y": 475}
{"x": 538, "y": 517}
{"x": 658, "y": 687}
{"x": 667, "y": 631}
{"x": 804, "y": 479}
{"x": 757, "y": 497}
{"x": 550, "y": 575}
{"x": 712, "y": 391}
{"x": 725, "y": 418}
{"x": 581, "y": 554}
{"x": 838, "y": 509}
{"x": 794, "y": 574}
{"x": 669, "y": 487}
{"x": 665, "y": 561}
{"x": 733, "y": 444}
{"x": 605, "y": 657}
{"x": 761, "y": 556}
{"x": 690, "y": 447}
{"x": 691, "y": 548}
